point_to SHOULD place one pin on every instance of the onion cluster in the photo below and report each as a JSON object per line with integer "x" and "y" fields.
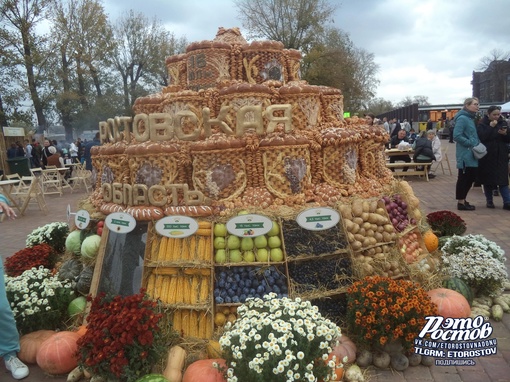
{"x": 397, "y": 211}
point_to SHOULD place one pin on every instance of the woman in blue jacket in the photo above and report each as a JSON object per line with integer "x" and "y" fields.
{"x": 466, "y": 138}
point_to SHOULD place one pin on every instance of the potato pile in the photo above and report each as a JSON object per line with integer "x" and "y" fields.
{"x": 367, "y": 224}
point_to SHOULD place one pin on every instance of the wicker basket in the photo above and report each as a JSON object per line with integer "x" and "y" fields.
{"x": 286, "y": 169}
{"x": 176, "y": 67}
{"x": 220, "y": 174}
{"x": 264, "y": 61}
{"x": 332, "y": 107}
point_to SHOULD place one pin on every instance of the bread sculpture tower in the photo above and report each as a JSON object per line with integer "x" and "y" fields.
{"x": 236, "y": 128}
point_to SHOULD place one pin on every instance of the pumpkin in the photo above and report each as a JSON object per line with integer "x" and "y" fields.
{"x": 450, "y": 303}
{"x": 175, "y": 364}
{"x": 70, "y": 269}
{"x": 153, "y": 378}
{"x": 205, "y": 371}
{"x": 213, "y": 349}
{"x": 345, "y": 348}
{"x": 30, "y": 343}
{"x": 338, "y": 372}
{"x": 431, "y": 240}
{"x": 57, "y": 355}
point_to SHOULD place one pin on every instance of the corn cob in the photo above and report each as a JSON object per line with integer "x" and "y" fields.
{"x": 177, "y": 321}
{"x": 192, "y": 247}
{"x": 185, "y": 322}
{"x": 165, "y": 271}
{"x": 200, "y": 248}
{"x": 202, "y": 325}
{"x": 162, "y": 248}
{"x": 169, "y": 249}
{"x": 154, "y": 248}
{"x": 159, "y": 286}
{"x": 204, "y": 224}
{"x": 165, "y": 288}
{"x": 209, "y": 326}
{"x": 172, "y": 292}
{"x": 184, "y": 250}
{"x": 204, "y": 290}
{"x": 203, "y": 232}
{"x": 180, "y": 289}
{"x": 151, "y": 284}
{"x": 193, "y": 323}
{"x": 186, "y": 294}
{"x": 207, "y": 254}
{"x": 195, "y": 284}
{"x": 177, "y": 249}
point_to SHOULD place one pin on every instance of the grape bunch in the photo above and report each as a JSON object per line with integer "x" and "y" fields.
{"x": 333, "y": 308}
{"x": 234, "y": 285}
{"x": 302, "y": 242}
{"x": 329, "y": 273}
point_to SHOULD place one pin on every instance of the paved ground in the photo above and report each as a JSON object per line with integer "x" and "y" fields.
{"x": 438, "y": 194}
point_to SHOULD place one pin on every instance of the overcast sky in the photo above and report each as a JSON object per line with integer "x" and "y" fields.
{"x": 422, "y": 47}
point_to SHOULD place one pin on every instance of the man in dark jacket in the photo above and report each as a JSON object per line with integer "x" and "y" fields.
{"x": 401, "y": 136}
{"x": 423, "y": 151}
{"x": 86, "y": 151}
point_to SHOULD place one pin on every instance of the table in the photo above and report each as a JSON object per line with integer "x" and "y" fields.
{"x": 396, "y": 152}
{"x": 7, "y": 186}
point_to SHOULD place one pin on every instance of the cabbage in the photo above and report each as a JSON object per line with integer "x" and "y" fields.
{"x": 77, "y": 306}
{"x": 90, "y": 246}
{"x": 73, "y": 242}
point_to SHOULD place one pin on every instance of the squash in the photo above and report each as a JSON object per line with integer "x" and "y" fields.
{"x": 175, "y": 364}
{"x": 204, "y": 370}
{"x": 30, "y": 343}
{"x": 338, "y": 372}
{"x": 431, "y": 240}
{"x": 70, "y": 270}
{"x": 82, "y": 329}
{"x": 85, "y": 280}
{"x": 57, "y": 355}
{"x": 345, "y": 348}
{"x": 214, "y": 349}
{"x": 450, "y": 303}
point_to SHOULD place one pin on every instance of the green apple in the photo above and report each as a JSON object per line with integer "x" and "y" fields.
{"x": 276, "y": 254}
{"x": 262, "y": 255}
{"x": 246, "y": 244}
{"x": 243, "y": 212}
{"x": 220, "y": 230}
{"x": 274, "y": 242}
{"x": 219, "y": 242}
{"x": 235, "y": 256}
{"x": 275, "y": 229}
{"x": 249, "y": 256}
{"x": 233, "y": 242}
{"x": 260, "y": 241}
{"x": 220, "y": 256}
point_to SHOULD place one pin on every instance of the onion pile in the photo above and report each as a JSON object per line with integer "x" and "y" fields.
{"x": 397, "y": 211}
{"x": 410, "y": 247}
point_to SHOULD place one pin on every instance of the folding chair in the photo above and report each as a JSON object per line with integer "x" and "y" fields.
{"x": 51, "y": 182}
{"x": 33, "y": 194}
{"x": 444, "y": 152}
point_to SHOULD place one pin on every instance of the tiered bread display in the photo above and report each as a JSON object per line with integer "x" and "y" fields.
{"x": 237, "y": 129}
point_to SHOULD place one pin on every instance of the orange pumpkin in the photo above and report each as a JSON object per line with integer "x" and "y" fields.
{"x": 82, "y": 329}
{"x": 345, "y": 348}
{"x": 30, "y": 343}
{"x": 431, "y": 240}
{"x": 57, "y": 355}
{"x": 338, "y": 373}
{"x": 204, "y": 371}
{"x": 450, "y": 303}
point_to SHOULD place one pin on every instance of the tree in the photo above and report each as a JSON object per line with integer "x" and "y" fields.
{"x": 335, "y": 61}
{"x": 296, "y": 23}
{"x": 494, "y": 55}
{"x": 379, "y": 106}
{"x": 141, "y": 47}
{"x": 18, "y": 21}
{"x": 408, "y": 100}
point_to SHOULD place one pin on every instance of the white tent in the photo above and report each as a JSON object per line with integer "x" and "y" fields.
{"x": 505, "y": 108}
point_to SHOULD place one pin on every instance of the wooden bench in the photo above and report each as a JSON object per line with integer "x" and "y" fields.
{"x": 412, "y": 169}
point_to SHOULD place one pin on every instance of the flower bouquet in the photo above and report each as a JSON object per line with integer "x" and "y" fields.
{"x": 479, "y": 262}
{"x": 279, "y": 340}
{"x": 54, "y": 234}
{"x": 28, "y": 258}
{"x": 446, "y": 223}
{"x": 123, "y": 340}
{"x": 382, "y": 310}
{"x": 38, "y": 299}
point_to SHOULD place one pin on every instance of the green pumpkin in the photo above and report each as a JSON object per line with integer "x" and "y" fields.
{"x": 70, "y": 270}
{"x": 152, "y": 378}
{"x": 85, "y": 280}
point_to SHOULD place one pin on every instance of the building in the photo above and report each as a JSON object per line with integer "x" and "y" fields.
{"x": 493, "y": 85}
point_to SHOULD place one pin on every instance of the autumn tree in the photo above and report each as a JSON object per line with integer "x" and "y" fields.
{"x": 408, "y": 100}
{"x": 26, "y": 49}
{"x": 296, "y": 23}
{"x": 141, "y": 48}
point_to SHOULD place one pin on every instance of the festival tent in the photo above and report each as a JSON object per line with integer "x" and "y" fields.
{"x": 505, "y": 108}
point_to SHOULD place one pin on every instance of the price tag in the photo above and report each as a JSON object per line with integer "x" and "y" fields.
{"x": 82, "y": 219}
{"x": 120, "y": 222}
{"x": 250, "y": 225}
{"x": 318, "y": 219}
{"x": 176, "y": 226}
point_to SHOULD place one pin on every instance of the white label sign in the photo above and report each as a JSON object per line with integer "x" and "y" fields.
{"x": 250, "y": 225}
{"x": 120, "y": 222}
{"x": 82, "y": 219}
{"x": 176, "y": 226}
{"x": 318, "y": 219}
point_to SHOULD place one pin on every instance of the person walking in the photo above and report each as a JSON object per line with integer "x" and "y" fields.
{"x": 466, "y": 138}
{"x": 86, "y": 151}
{"x": 493, "y": 167}
{"x": 9, "y": 336}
